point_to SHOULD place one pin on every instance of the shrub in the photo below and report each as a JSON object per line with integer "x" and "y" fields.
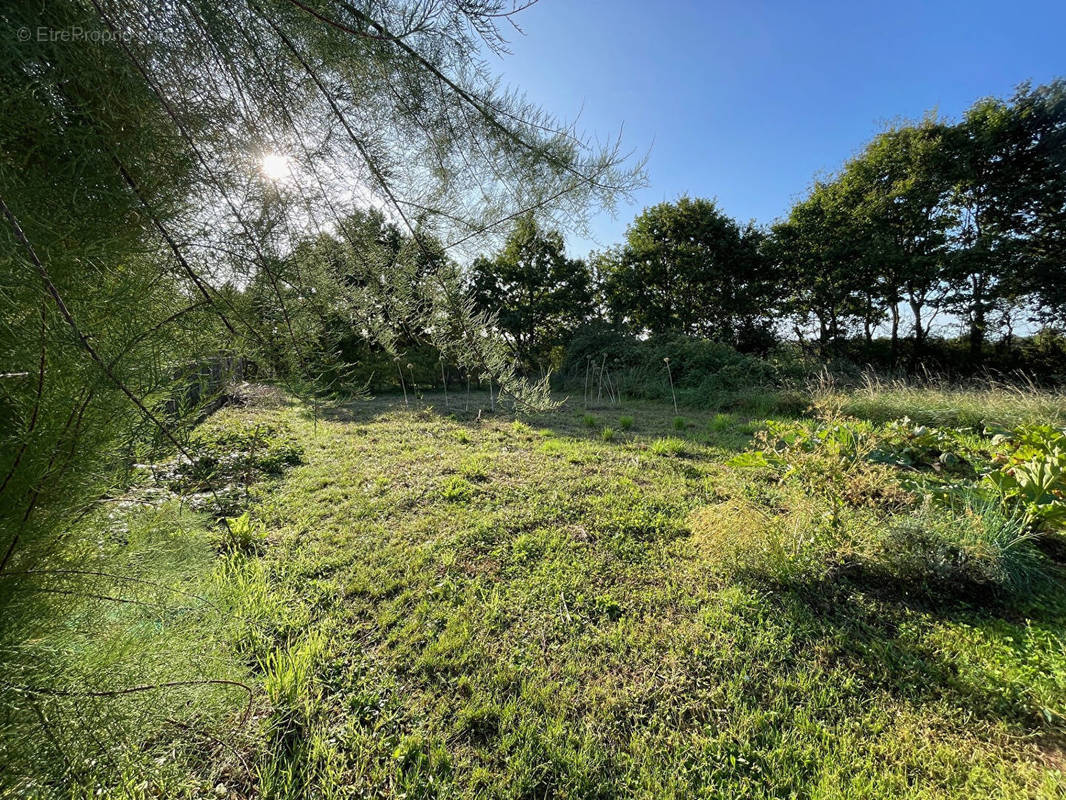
{"x": 625, "y": 423}
{"x": 680, "y": 424}
{"x": 607, "y": 434}
{"x": 589, "y": 421}
{"x": 701, "y": 370}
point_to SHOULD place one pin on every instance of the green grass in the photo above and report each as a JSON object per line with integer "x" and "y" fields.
{"x": 720, "y": 422}
{"x": 449, "y": 606}
{"x": 938, "y": 402}
{"x": 142, "y": 604}
{"x": 566, "y": 634}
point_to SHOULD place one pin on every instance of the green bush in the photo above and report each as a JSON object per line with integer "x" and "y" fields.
{"x": 1034, "y": 475}
{"x": 704, "y": 371}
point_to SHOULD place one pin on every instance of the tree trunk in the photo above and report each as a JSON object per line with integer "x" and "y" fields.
{"x": 977, "y": 336}
{"x": 919, "y": 332}
{"x": 978, "y": 321}
{"x": 895, "y": 332}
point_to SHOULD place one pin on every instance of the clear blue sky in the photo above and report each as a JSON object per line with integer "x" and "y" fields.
{"x": 748, "y": 101}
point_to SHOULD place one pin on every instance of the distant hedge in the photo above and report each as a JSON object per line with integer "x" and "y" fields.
{"x": 701, "y": 369}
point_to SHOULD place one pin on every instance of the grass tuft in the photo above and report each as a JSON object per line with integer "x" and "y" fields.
{"x": 720, "y": 422}
{"x": 668, "y": 446}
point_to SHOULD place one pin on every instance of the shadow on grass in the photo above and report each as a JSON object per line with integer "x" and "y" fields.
{"x": 628, "y": 422}
{"x": 880, "y": 631}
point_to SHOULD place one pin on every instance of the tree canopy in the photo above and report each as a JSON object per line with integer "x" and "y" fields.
{"x": 537, "y": 293}
{"x": 687, "y": 267}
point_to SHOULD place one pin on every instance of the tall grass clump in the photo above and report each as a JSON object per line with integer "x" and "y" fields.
{"x": 742, "y": 539}
{"x": 668, "y": 446}
{"x": 974, "y": 545}
{"x": 938, "y": 401}
{"x": 720, "y": 422}
{"x": 118, "y": 664}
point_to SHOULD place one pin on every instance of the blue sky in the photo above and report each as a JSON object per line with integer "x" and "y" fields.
{"x": 748, "y": 101}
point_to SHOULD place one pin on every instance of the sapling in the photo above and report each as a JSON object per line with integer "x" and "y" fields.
{"x": 671, "y": 377}
{"x": 403, "y": 385}
{"x": 444, "y": 380}
{"x": 588, "y": 367}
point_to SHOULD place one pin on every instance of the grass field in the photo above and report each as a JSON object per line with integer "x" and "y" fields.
{"x": 434, "y": 604}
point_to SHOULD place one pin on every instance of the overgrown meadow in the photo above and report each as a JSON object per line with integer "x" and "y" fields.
{"x": 430, "y": 600}
{"x": 637, "y": 524}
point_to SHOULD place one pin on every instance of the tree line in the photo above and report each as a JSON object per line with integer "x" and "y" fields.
{"x": 935, "y": 221}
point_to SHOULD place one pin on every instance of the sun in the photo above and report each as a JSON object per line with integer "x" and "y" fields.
{"x": 275, "y": 166}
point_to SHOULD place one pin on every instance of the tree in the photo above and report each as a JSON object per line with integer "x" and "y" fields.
{"x": 901, "y": 185}
{"x": 821, "y": 263}
{"x": 535, "y": 291}
{"x": 687, "y": 267}
{"x": 1010, "y": 197}
{"x": 1041, "y": 120}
